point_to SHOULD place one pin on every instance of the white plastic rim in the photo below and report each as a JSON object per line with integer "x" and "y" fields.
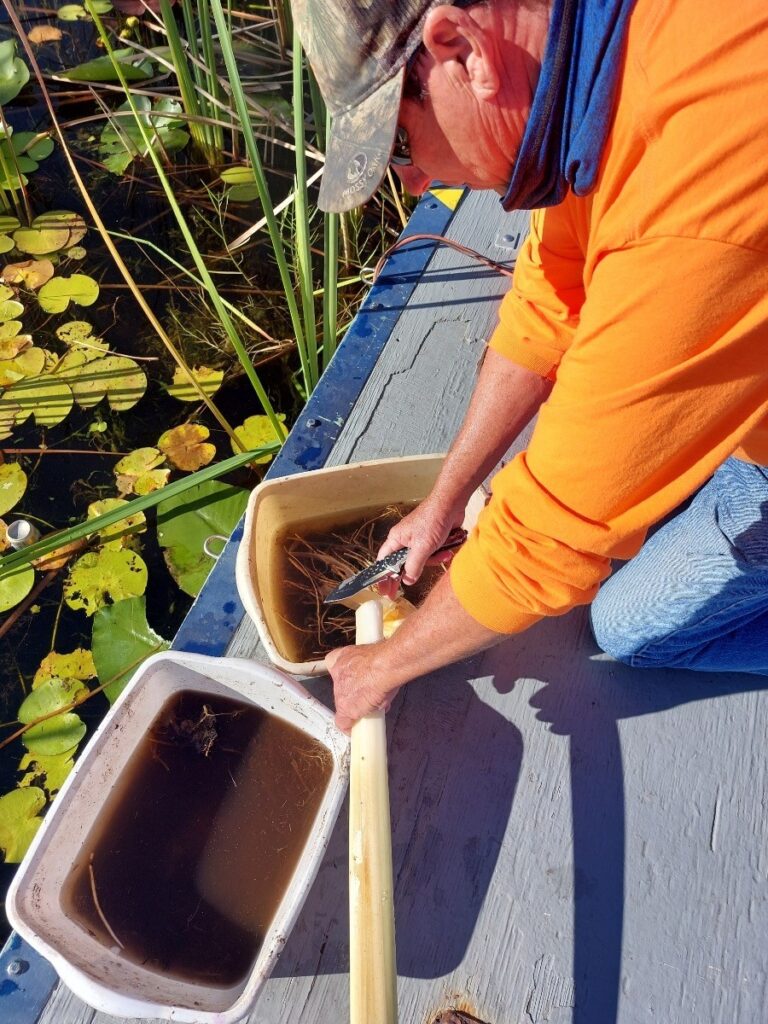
{"x": 91, "y": 970}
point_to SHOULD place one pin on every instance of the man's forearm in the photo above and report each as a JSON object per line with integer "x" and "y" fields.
{"x": 505, "y": 399}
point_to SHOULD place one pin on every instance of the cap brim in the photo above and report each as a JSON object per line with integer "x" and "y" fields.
{"x": 359, "y": 148}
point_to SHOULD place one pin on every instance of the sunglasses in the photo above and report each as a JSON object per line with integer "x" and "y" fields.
{"x": 401, "y": 151}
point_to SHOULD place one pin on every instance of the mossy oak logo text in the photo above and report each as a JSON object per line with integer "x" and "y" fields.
{"x": 360, "y": 172}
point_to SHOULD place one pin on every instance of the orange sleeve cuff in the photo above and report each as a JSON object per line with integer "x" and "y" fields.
{"x": 481, "y": 594}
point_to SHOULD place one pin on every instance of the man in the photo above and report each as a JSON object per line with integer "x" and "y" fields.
{"x": 637, "y": 324}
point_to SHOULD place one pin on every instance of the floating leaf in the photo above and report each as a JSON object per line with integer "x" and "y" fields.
{"x": 9, "y": 412}
{"x": 15, "y": 584}
{"x": 49, "y": 772}
{"x": 78, "y": 664}
{"x": 186, "y": 521}
{"x": 56, "y": 295}
{"x": 8, "y": 223}
{"x": 148, "y": 482}
{"x": 185, "y": 446}
{"x": 119, "y": 534}
{"x": 238, "y": 175}
{"x": 6, "y": 243}
{"x": 135, "y": 68}
{"x": 72, "y": 12}
{"x": 122, "y": 638}
{"x": 28, "y": 363}
{"x": 10, "y": 308}
{"x": 77, "y": 252}
{"x": 30, "y": 274}
{"x": 60, "y": 732}
{"x": 104, "y": 576}
{"x": 19, "y": 821}
{"x": 36, "y": 145}
{"x": 4, "y": 545}
{"x": 50, "y": 232}
{"x": 14, "y": 73}
{"x": 44, "y": 34}
{"x": 78, "y": 334}
{"x": 13, "y": 484}
{"x": 139, "y": 461}
{"x": 59, "y": 557}
{"x": 12, "y": 344}
{"x": 183, "y": 388}
{"x": 48, "y": 399}
{"x": 121, "y": 141}
{"x": 256, "y": 432}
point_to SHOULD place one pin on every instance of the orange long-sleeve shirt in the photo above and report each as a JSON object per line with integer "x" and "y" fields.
{"x": 647, "y": 303}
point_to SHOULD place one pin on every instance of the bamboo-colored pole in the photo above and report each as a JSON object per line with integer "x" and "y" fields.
{"x": 372, "y": 971}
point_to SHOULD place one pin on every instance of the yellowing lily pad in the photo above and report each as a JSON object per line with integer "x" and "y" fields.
{"x": 256, "y": 432}
{"x": 44, "y": 34}
{"x": 59, "y": 557}
{"x": 9, "y": 412}
{"x": 118, "y": 377}
{"x": 78, "y": 664}
{"x": 4, "y": 545}
{"x": 139, "y": 461}
{"x": 186, "y": 446}
{"x": 119, "y": 534}
{"x": 50, "y": 232}
{"x": 183, "y": 388}
{"x": 19, "y": 821}
{"x": 78, "y": 334}
{"x": 153, "y": 480}
{"x": 48, "y": 399}
{"x": 30, "y": 274}
{"x": 10, "y": 309}
{"x": 104, "y": 576}
{"x": 49, "y": 772}
{"x": 60, "y": 732}
{"x": 56, "y": 294}
{"x": 15, "y": 584}
{"x": 13, "y": 484}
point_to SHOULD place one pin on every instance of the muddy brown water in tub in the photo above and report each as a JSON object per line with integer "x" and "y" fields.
{"x": 195, "y": 848}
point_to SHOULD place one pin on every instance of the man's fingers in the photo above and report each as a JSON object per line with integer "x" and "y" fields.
{"x": 415, "y": 562}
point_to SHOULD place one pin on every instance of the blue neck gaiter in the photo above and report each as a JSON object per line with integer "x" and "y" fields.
{"x": 573, "y": 104}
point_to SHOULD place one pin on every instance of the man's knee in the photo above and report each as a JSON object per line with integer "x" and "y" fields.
{"x": 620, "y": 631}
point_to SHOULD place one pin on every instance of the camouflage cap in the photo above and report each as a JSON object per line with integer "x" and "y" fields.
{"x": 358, "y": 50}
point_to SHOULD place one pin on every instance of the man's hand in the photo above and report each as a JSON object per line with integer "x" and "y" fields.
{"x": 423, "y": 530}
{"x": 358, "y": 688}
{"x": 367, "y": 678}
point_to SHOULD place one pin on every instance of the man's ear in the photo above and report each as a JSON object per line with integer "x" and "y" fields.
{"x": 456, "y": 40}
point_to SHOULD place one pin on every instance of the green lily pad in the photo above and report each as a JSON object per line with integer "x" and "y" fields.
{"x": 182, "y": 388}
{"x": 256, "y": 432}
{"x": 48, "y": 399}
{"x": 119, "y": 534}
{"x": 78, "y": 334}
{"x": 8, "y": 224}
{"x": 36, "y": 145}
{"x": 186, "y": 521}
{"x": 10, "y": 309}
{"x": 6, "y": 244}
{"x": 15, "y": 584}
{"x": 102, "y": 577}
{"x": 56, "y": 294}
{"x": 122, "y": 639}
{"x": 72, "y": 12}
{"x": 9, "y": 413}
{"x": 60, "y": 732}
{"x": 19, "y": 821}
{"x": 13, "y": 484}
{"x": 14, "y": 73}
{"x": 135, "y": 68}
{"x": 121, "y": 141}
{"x": 49, "y": 772}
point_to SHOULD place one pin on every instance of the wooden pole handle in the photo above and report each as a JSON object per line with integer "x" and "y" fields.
{"x": 372, "y": 969}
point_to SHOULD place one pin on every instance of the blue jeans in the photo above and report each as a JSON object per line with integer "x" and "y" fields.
{"x": 696, "y": 594}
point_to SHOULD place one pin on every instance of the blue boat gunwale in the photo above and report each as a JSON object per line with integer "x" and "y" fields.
{"x": 26, "y": 978}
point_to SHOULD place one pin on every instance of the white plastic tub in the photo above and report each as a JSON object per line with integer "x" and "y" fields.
{"x": 286, "y": 503}
{"x": 98, "y": 974}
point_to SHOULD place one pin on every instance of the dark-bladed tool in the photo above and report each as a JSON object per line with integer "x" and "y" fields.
{"x": 390, "y": 567}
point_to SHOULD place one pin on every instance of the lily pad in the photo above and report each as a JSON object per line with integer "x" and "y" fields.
{"x": 134, "y": 66}
{"x": 256, "y": 432}
{"x": 15, "y": 584}
{"x": 19, "y": 821}
{"x": 146, "y": 483}
{"x": 60, "y": 732}
{"x": 30, "y": 274}
{"x": 78, "y": 664}
{"x": 49, "y": 772}
{"x": 119, "y": 534}
{"x": 122, "y": 141}
{"x": 102, "y": 577}
{"x": 9, "y": 309}
{"x": 78, "y": 335}
{"x": 118, "y": 377}
{"x": 56, "y": 294}
{"x": 13, "y": 484}
{"x": 28, "y": 363}
{"x": 44, "y": 34}
{"x": 48, "y": 399}
{"x": 182, "y": 388}
{"x": 9, "y": 412}
{"x": 186, "y": 521}
{"x": 186, "y": 446}
{"x": 122, "y": 639}
{"x": 50, "y": 232}
{"x": 14, "y": 73}
{"x": 4, "y": 545}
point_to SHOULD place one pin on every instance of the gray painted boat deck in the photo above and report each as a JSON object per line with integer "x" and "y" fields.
{"x": 574, "y": 842}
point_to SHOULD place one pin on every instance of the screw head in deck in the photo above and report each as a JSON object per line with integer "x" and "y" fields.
{"x": 16, "y": 966}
